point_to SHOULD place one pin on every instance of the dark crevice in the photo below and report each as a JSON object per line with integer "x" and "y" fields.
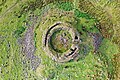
{"x": 49, "y": 32}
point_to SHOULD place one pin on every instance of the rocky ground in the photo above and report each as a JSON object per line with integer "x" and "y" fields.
{"x": 29, "y": 43}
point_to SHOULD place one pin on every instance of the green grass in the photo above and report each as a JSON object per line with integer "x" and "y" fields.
{"x": 10, "y": 54}
{"x": 101, "y": 64}
{"x": 67, "y": 6}
{"x": 18, "y": 32}
{"x": 55, "y": 41}
{"x": 79, "y": 14}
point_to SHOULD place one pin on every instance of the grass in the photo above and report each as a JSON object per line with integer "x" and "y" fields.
{"x": 67, "y": 6}
{"x": 10, "y": 54}
{"x": 56, "y": 44}
{"x": 18, "y": 32}
{"x": 98, "y": 66}
{"x": 79, "y": 14}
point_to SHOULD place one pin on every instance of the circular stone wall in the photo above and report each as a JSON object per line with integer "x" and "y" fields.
{"x": 82, "y": 35}
{"x": 61, "y": 42}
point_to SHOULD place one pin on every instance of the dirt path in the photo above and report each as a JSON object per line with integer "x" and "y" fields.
{"x": 29, "y": 44}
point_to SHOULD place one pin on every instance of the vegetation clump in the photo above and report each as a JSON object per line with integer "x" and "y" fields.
{"x": 18, "y": 33}
{"x": 67, "y": 6}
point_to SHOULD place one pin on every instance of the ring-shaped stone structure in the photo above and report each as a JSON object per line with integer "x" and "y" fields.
{"x": 70, "y": 53}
